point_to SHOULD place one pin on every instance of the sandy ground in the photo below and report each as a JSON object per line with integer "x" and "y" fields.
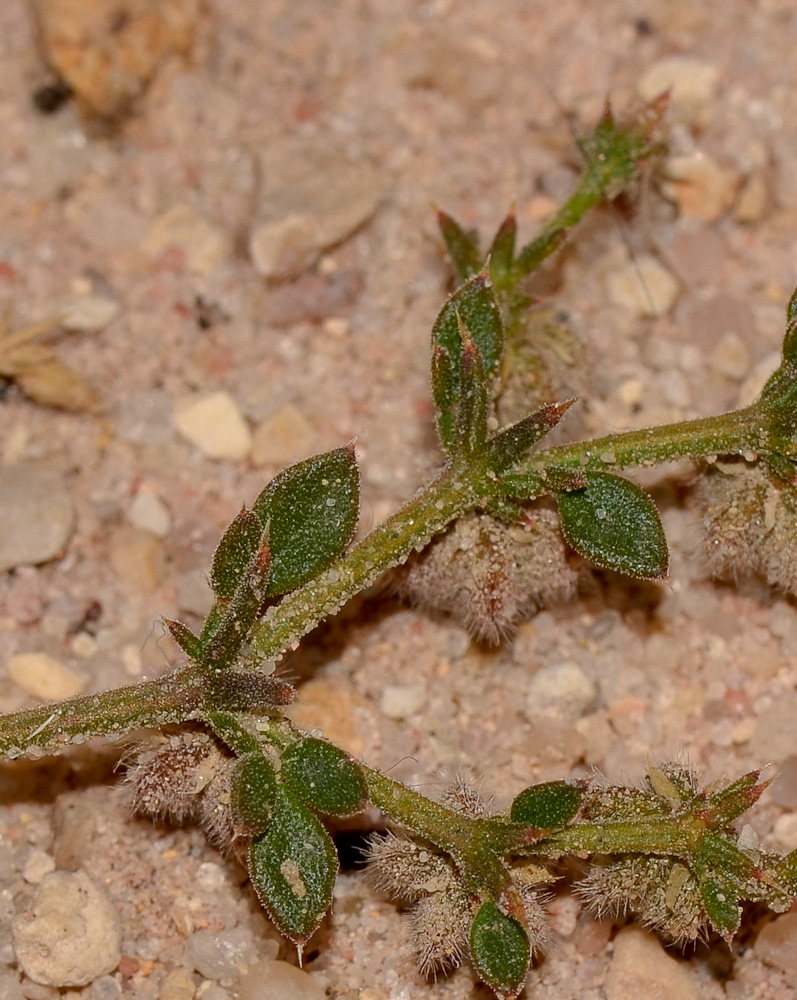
{"x": 469, "y": 106}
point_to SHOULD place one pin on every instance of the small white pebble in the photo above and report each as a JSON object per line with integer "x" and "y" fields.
{"x": 560, "y": 689}
{"x": 149, "y": 512}
{"x": 699, "y": 186}
{"x": 215, "y": 426}
{"x": 401, "y": 700}
{"x": 42, "y": 676}
{"x": 39, "y": 864}
{"x": 643, "y": 287}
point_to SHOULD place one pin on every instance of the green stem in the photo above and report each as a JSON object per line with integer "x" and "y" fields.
{"x": 450, "y": 495}
{"x": 678, "y": 837}
{"x": 450, "y": 831}
{"x": 740, "y": 432}
{"x": 169, "y": 699}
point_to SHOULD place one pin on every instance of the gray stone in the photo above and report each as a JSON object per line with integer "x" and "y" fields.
{"x": 219, "y": 954}
{"x": 36, "y": 514}
{"x": 71, "y": 933}
{"x": 313, "y": 196}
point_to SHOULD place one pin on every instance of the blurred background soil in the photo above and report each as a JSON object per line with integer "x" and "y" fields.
{"x": 231, "y": 215}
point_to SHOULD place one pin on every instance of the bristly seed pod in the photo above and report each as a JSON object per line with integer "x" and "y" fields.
{"x": 661, "y": 892}
{"x": 750, "y": 523}
{"x": 169, "y": 775}
{"x": 490, "y": 575}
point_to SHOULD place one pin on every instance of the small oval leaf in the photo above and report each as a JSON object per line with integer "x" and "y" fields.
{"x": 311, "y": 509}
{"x": 325, "y": 777}
{"x": 237, "y": 548}
{"x": 500, "y": 950}
{"x": 615, "y": 524}
{"x": 293, "y": 866}
{"x": 474, "y": 307}
{"x": 253, "y": 794}
{"x": 547, "y": 806}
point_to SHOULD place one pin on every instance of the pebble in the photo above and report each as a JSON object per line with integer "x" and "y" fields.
{"x": 215, "y": 426}
{"x": 88, "y": 313}
{"x": 777, "y": 943}
{"x": 402, "y": 700}
{"x": 218, "y": 954}
{"x": 692, "y": 84}
{"x": 105, "y": 988}
{"x": 278, "y": 981}
{"x": 283, "y": 438}
{"x": 42, "y": 676}
{"x": 731, "y": 357}
{"x": 467, "y": 71}
{"x": 10, "y": 986}
{"x": 642, "y": 968}
{"x": 783, "y": 790}
{"x": 313, "y": 196}
{"x": 137, "y": 557}
{"x": 335, "y": 709}
{"x": 178, "y": 985}
{"x": 36, "y": 514}
{"x": 785, "y": 832}
{"x": 699, "y": 186}
{"x": 753, "y": 199}
{"x": 183, "y": 228}
{"x": 194, "y": 593}
{"x": 108, "y": 60}
{"x": 71, "y": 933}
{"x": 643, "y": 287}
{"x": 39, "y": 864}
{"x": 561, "y": 689}
{"x": 149, "y": 512}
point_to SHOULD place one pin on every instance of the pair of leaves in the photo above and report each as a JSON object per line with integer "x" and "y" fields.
{"x": 298, "y": 525}
{"x": 292, "y": 860}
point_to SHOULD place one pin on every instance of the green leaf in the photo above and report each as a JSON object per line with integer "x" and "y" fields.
{"x": 474, "y": 401}
{"x": 615, "y": 524}
{"x": 513, "y": 443}
{"x": 501, "y": 254}
{"x": 474, "y": 307}
{"x": 311, "y": 510}
{"x": 235, "y": 552}
{"x": 293, "y": 866}
{"x": 190, "y": 644}
{"x": 547, "y": 805}
{"x": 253, "y": 794}
{"x": 500, "y": 950}
{"x": 228, "y": 625}
{"x": 462, "y": 246}
{"x": 730, "y": 802}
{"x": 325, "y": 777}
{"x": 721, "y": 905}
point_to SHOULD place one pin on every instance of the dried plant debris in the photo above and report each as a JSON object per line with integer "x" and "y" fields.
{"x": 37, "y": 370}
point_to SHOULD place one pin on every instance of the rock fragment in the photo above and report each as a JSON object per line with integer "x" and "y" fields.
{"x": 643, "y": 287}
{"x": 182, "y": 227}
{"x": 278, "y": 981}
{"x": 36, "y": 514}
{"x": 642, "y": 968}
{"x": 71, "y": 933}
{"x": 700, "y": 186}
{"x": 777, "y": 943}
{"x": 283, "y": 438}
{"x": 560, "y": 689}
{"x": 215, "y": 426}
{"x": 692, "y": 84}
{"x": 108, "y": 51}
{"x": 42, "y": 676}
{"x": 313, "y": 196}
